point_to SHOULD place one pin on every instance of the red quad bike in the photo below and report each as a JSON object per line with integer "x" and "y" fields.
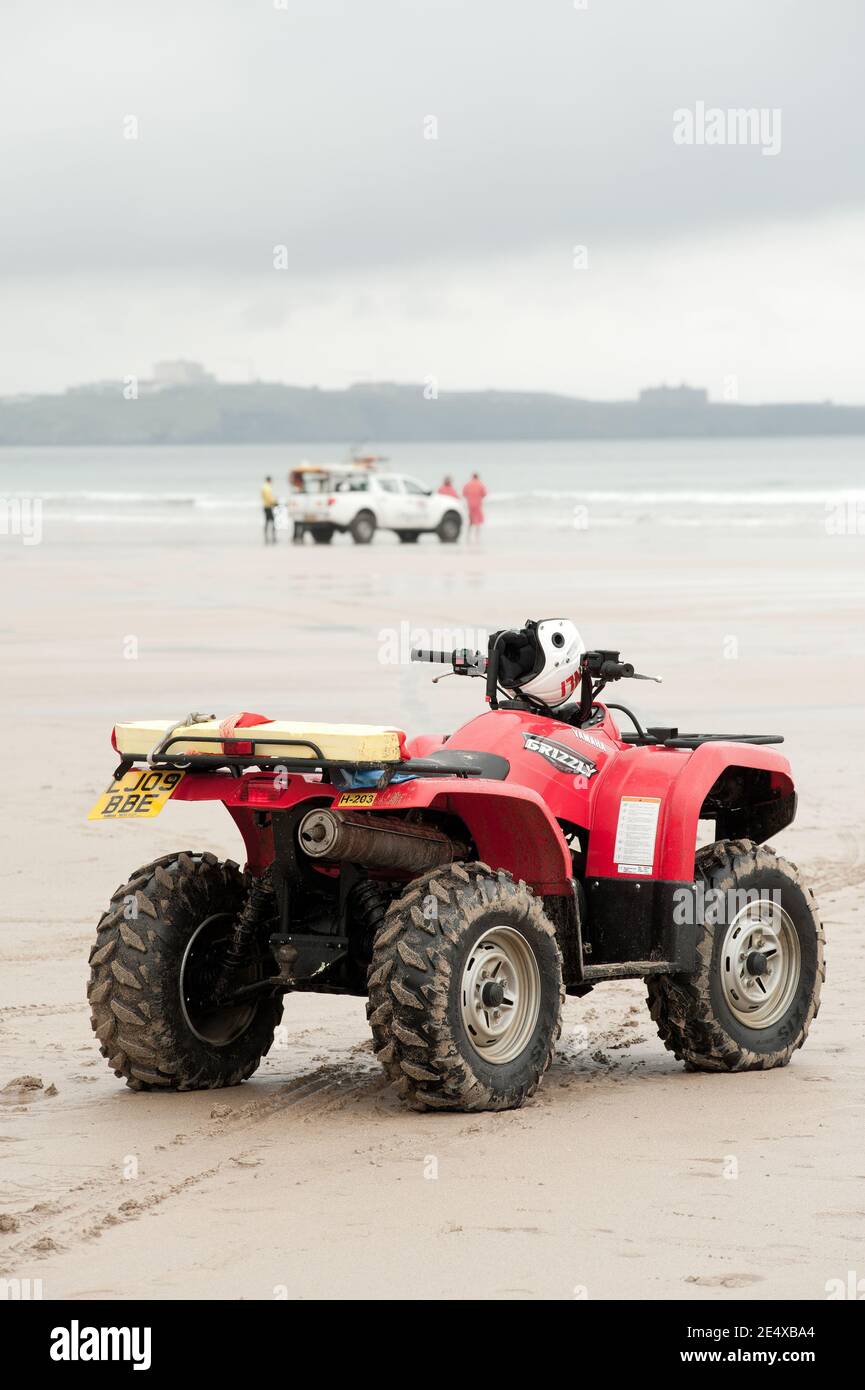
{"x": 463, "y": 883}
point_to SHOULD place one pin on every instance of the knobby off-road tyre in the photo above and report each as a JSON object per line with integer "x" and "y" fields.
{"x": 455, "y": 932}
{"x": 158, "y": 939}
{"x": 722, "y": 1018}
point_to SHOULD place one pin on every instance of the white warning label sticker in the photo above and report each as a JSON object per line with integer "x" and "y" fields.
{"x": 635, "y": 834}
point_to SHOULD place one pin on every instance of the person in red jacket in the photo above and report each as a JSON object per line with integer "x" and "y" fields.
{"x": 447, "y": 488}
{"x": 474, "y": 492}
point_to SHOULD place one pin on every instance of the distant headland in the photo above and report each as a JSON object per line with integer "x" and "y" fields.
{"x": 183, "y": 404}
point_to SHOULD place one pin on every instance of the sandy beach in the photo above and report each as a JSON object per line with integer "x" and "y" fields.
{"x": 311, "y": 1180}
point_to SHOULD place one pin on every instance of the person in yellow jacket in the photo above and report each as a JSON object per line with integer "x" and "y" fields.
{"x": 268, "y": 502}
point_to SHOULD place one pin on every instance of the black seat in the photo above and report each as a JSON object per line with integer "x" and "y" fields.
{"x": 460, "y": 762}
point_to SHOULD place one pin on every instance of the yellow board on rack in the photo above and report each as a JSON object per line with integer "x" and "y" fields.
{"x": 365, "y": 743}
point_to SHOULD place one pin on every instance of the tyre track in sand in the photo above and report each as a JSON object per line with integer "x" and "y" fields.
{"x": 831, "y": 876}
{"x": 219, "y": 1144}
{"x": 224, "y": 1142}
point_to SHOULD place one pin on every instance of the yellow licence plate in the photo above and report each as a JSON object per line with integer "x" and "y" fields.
{"x": 137, "y": 795}
{"x": 357, "y": 799}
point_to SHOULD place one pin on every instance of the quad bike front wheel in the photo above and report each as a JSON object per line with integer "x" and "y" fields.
{"x": 158, "y": 955}
{"x": 756, "y": 990}
{"x": 465, "y": 991}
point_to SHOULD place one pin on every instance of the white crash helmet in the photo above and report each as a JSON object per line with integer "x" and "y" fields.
{"x": 555, "y": 674}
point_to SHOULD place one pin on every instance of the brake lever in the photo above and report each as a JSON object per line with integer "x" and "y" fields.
{"x": 469, "y": 671}
{"x": 659, "y": 680}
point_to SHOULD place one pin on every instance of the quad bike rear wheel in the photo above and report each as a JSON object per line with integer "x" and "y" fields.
{"x": 158, "y": 953}
{"x": 465, "y": 991}
{"x": 756, "y": 990}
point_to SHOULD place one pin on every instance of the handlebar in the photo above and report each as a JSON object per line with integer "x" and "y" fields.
{"x": 616, "y": 670}
{"x": 463, "y": 661}
{"x": 427, "y": 654}
{"x": 604, "y": 665}
{"x": 505, "y": 661}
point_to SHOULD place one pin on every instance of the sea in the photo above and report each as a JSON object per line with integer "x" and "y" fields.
{"x": 206, "y": 491}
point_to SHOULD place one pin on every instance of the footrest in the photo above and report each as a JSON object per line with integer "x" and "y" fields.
{"x": 300, "y": 955}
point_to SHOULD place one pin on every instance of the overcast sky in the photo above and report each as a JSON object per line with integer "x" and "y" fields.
{"x": 302, "y": 125}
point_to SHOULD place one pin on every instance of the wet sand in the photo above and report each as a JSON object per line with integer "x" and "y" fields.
{"x": 311, "y": 1179}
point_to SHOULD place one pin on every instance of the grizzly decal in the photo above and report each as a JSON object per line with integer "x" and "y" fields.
{"x": 562, "y": 757}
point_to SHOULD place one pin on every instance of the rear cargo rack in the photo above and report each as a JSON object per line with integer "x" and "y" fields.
{"x": 236, "y": 763}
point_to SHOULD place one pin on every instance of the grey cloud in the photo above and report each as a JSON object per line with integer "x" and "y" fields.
{"x": 304, "y": 127}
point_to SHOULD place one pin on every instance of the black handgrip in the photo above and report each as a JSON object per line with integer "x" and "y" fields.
{"x": 439, "y": 658}
{"x": 616, "y": 670}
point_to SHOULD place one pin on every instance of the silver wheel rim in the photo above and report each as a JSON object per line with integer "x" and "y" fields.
{"x": 761, "y": 962}
{"x": 500, "y": 994}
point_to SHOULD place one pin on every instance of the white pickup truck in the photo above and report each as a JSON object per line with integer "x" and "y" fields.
{"x": 362, "y": 502}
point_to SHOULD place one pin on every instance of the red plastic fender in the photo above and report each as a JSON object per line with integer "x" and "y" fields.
{"x": 679, "y": 779}
{"x": 244, "y": 796}
{"x": 511, "y": 825}
{"x": 422, "y": 744}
